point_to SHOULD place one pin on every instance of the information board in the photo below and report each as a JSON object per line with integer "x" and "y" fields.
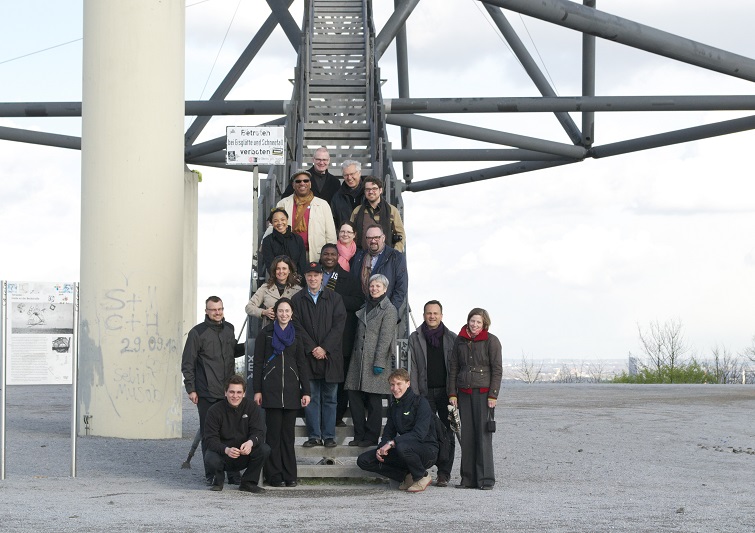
{"x": 255, "y": 145}
{"x": 40, "y": 326}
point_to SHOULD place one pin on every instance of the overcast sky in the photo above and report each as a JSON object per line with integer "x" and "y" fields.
{"x": 567, "y": 261}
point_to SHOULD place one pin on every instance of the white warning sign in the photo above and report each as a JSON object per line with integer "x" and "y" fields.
{"x": 255, "y": 145}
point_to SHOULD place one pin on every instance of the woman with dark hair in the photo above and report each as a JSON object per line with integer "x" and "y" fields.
{"x": 346, "y": 246}
{"x": 281, "y": 379}
{"x": 474, "y": 380}
{"x": 373, "y": 347}
{"x": 282, "y": 241}
{"x": 281, "y": 283}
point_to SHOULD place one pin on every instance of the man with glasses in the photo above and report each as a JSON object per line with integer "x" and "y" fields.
{"x": 208, "y": 363}
{"x": 374, "y": 210}
{"x": 324, "y": 184}
{"x": 351, "y": 193}
{"x": 311, "y": 217}
{"x": 381, "y": 259}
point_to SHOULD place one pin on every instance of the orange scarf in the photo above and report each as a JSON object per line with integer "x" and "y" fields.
{"x": 302, "y": 204}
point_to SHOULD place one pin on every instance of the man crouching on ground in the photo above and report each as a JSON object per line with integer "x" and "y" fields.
{"x": 233, "y": 434}
{"x": 409, "y": 446}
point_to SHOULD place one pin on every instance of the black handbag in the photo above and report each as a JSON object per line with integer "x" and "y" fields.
{"x": 490, "y": 425}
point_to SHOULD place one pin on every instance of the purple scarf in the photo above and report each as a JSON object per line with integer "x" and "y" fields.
{"x": 282, "y": 338}
{"x": 433, "y": 336}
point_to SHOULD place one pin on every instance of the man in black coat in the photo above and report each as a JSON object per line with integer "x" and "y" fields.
{"x": 324, "y": 184}
{"x": 337, "y": 279}
{"x": 319, "y": 317}
{"x": 408, "y": 446}
{"x": 207, "y": 363}
{"x": 233, "y": 438}
{"x": 350, "y": 194}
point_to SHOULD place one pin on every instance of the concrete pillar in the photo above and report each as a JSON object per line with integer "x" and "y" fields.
{"x": 132, "y": 199}
{"x": 191, "y": 243}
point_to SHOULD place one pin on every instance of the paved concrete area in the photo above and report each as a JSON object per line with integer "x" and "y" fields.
{"x": 569, "y": 458}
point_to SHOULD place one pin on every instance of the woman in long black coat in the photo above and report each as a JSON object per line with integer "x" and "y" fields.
{"x": 281, "y": 377}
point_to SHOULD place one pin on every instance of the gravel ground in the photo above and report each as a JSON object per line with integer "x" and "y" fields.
{"x": 569, "y": 458}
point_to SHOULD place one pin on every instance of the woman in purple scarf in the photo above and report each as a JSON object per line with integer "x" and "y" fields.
{"x": 281, "y": 382}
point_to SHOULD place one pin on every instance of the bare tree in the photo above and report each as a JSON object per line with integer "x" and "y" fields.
{"x": 596, "y": 370}
{"x": 665, "y": 347}
{"x": 725, "y": 367}
{"x": 528, "y": 370}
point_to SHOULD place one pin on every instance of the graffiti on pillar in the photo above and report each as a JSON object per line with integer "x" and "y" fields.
{"x": 133, "y": 318}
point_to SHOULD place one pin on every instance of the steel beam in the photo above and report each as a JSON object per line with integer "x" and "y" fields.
{"x": 40, "y": 137}
{"x": 486, "y": 135}
{"x": 402, "y": 64}
{"x": 630, "y": 33}
{"x": 392, "y": 26}
{"x": 234, "y": 74}
{"x": 532, "y": 70}
{"x": 286, "y": 21}
{"x": 482, "y": 174}
{"x": 473, "y": 154}
{"x": 396, "y": 106}
{"x": 588, "y": 82}
{"x": 674, "y": 137}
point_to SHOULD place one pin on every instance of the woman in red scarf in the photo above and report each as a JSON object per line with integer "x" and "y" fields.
{"x": 474, "y": 380}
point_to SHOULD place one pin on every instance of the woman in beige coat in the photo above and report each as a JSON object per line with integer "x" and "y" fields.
{"x": 281, "y": 281}
{"x": 366, "y": 380}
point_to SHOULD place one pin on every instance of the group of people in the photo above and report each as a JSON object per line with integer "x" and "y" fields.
{"x": 329, "y": 312}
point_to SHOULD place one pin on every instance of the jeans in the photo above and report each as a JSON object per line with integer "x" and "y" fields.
{"x": 320, "y": 414}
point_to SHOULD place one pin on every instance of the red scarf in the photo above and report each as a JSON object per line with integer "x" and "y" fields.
{"x": 481, "y": 336}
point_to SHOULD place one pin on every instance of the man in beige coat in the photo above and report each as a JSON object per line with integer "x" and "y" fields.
{"x": 311, "y": 217}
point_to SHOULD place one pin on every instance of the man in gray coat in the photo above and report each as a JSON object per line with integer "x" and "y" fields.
{"x": 430, "y": 351}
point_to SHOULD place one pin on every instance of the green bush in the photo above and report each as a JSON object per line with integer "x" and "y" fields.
{"x": 690, "y": 372}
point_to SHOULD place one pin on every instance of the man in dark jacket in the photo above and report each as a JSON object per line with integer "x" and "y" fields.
{"x": 350, "y": 194}
{"x": 208, "y": 362}
{"x": 376, "y": 210}
{"x": 324, "y": 184}
{"x": 408, "y": 446}
{"x": 319, "y": 317}
{"x": 233, "y": 438}
{"x": 337, "y": 279}
{"x": 382, "y": 259}
{"x": 430, "y": 350}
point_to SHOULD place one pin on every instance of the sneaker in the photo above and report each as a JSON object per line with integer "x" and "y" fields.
{"x": 442, "y": 481}
{"x": 330, "y": 443}
{"x": 246, "y": 486}
{"x": 420, "y": 485}
{"x": 217, "y": 483}
{"x": 408, "y": 482}
{"x": 311, "y": 443}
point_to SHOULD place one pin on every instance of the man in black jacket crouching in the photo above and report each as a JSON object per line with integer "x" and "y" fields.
{"x": 408, "y": 446}
{"x": 233, "y": 434}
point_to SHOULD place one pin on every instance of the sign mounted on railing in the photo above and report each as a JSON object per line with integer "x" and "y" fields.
{"x": 255, "y": 145}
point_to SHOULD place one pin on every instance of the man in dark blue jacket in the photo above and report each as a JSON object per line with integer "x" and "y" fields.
{"x": 382, "y": 259}
{"x": 408, "y": 446}
{"x": 233, "y": 438}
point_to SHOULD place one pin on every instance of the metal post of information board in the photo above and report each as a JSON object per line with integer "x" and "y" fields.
{"x": 3, "y": 350}
{"x": 74, "y": 377}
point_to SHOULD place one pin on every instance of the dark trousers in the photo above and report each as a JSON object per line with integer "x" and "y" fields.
{"x": 252, "y": 462}
{"x": 281, "y": 466}
{"x": 409, "y": 456}
{"x": 203, "y": 405}
{"x": 438, "y": 399}
{"x": 343, "y": 395}
{"x": 476, "y": 442}
{"x": 367, "y": 415}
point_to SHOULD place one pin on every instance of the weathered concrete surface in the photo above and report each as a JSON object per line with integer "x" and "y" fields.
{"x": 570, "y": 458}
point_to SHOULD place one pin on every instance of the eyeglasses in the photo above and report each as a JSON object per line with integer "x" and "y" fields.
{"x": 374, "y": 238}
{"x": 351, "y": 174}
{"x": 371, "y": 189}
{"x": 301, "y": 181}
{"x": 321, "y": 160}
